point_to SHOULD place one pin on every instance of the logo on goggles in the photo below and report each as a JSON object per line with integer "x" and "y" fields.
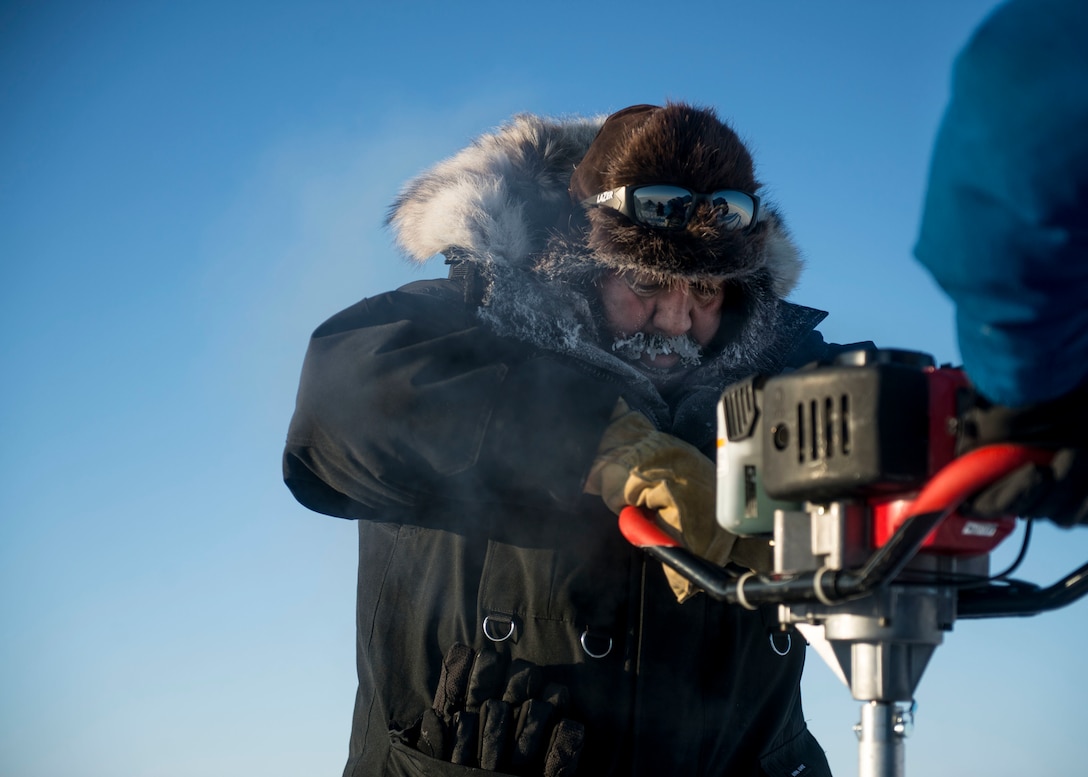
{"x": 665, "y": 206}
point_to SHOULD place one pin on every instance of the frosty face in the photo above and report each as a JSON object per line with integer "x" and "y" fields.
{"x": 661, "y": 327}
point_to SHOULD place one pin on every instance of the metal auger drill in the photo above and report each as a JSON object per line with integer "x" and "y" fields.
{"x": 849, "y": 468}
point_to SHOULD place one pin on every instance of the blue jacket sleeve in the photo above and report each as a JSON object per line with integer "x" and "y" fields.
{"x": 1004, "y": 222}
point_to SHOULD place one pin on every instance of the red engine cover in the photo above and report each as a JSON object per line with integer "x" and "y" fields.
{"x": 955, "y": 536}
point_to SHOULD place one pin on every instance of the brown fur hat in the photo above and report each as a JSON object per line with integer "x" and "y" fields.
{"x": 688, "y": 146}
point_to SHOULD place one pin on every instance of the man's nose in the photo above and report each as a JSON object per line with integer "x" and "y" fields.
{"x": 672, "y": 313}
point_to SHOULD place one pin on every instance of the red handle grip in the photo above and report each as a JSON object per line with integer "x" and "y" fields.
{"x": 638, "y": 527}
{"x": 970, "y": 473}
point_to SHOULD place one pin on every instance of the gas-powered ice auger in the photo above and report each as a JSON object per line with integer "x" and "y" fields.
{"x": 850, "y": 467}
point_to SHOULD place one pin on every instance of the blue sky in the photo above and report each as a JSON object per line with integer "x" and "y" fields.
{"x": 188, "y": 189}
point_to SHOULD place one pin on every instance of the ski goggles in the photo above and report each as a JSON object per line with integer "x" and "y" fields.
{"x": 665, "y": 206}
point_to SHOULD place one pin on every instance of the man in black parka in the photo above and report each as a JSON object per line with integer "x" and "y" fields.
{"x": 608, "y": 278}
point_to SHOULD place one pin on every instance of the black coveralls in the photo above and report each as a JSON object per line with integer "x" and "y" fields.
{"x": 463, "y": 454}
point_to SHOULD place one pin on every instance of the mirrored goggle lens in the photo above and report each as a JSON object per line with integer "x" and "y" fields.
{"x": 662, "y": 206}
{"x": 736, "y": 210}
{"x": 671, "y": 206}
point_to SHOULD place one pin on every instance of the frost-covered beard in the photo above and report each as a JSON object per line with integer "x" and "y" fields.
{"x": 632, "y": 348}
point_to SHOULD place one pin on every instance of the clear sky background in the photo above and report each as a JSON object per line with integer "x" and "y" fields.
{"x": 188, "y": 189}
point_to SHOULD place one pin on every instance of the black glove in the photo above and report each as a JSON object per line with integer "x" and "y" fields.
{"x": 501, "y": 719}
{"x": 1057, "y": 490}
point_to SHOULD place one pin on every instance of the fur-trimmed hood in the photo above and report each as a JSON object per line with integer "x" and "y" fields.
{"x": 504, "y": 197}
{"x": 498, "y": 199}
{"x": 503, "y": 205}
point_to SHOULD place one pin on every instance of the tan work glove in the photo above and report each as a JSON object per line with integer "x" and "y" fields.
{"x": 638, "y": 465}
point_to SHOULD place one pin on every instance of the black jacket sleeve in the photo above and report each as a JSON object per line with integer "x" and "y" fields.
{"x": 405, "y": 400}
